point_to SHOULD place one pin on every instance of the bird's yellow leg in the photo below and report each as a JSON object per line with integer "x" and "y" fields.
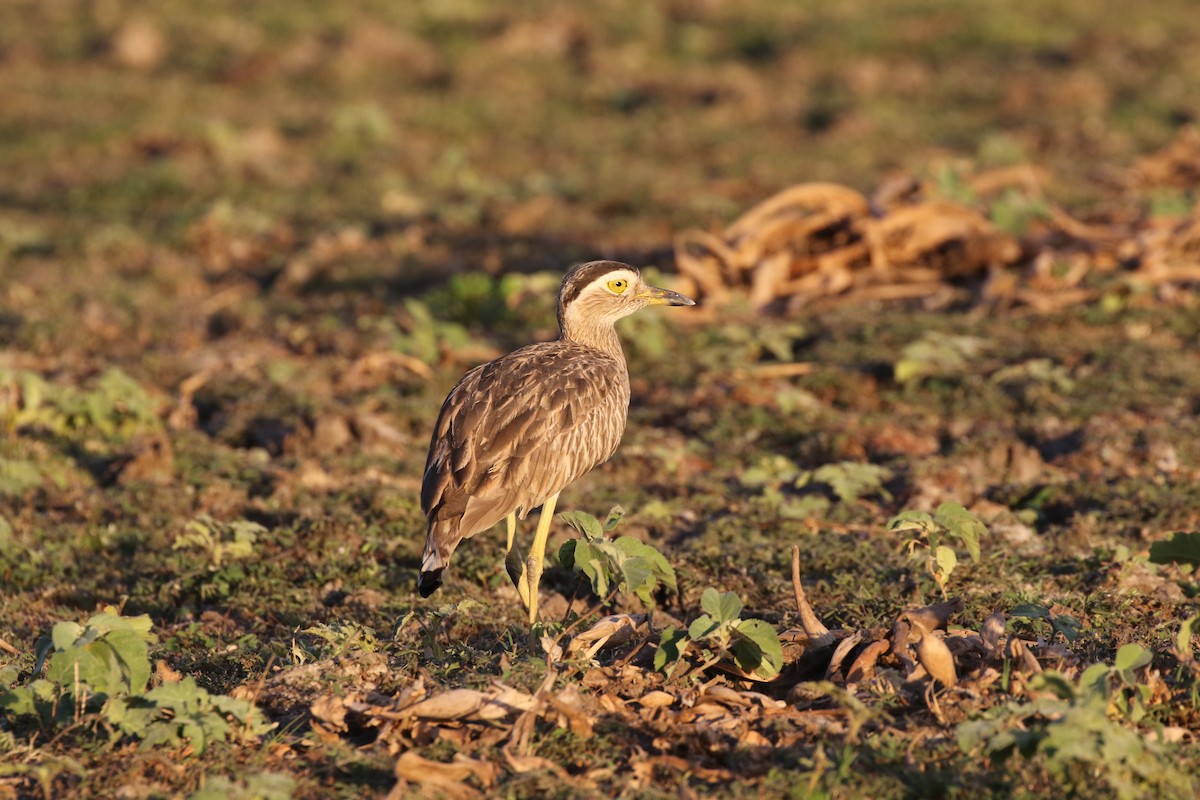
{"x": 533, "y": 571}
{"x": 514, "y": 561}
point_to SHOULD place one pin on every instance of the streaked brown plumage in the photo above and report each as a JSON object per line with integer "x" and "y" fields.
{"x": 517, "y": 430}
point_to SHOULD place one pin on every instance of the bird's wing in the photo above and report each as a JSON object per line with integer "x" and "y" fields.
{"x": 518, "y": 429}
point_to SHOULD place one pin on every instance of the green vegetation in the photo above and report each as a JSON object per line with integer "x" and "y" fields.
{"x": 1069, "y": 733}
{"x": 623, "y": 565}
{"x": 97, "y": 676}
{"x": 949, "y": 520}
{"x": 749, "y": 644}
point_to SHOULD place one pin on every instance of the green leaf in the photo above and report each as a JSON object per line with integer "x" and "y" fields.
{"x": 1181, "y": 548}
{"x": 134, "y": 654}
{"x": 906, "y": 369}
{"x": 936, "y": 354}
{"x": 1030, "y": 611}
{"x": 702, "y": 627}
{"x": 723, "y": 606}
{"x": 945, "y": 560}
{"x": 635, "y": 574}
{"x": 615, "y": 515}
{"x": 592, "y": 563}
{"x": 1183, "y": 641}
{"x": 911, "y": 521}
{"x": 659, "y": 568}
{"x": 586, "y": 524}
{"x": 1055, "y": 682}
{"x": 757, "y": 648}
{"x": 566, "y": 553}
{"x": 851, "y": 480}
{"x": 64, "y": 634}
{"x": 1067, "y": 625}
{"x": 1095, "y": 677}
{"x": 18, "y": 476}
{"x": 809, "y": 505}
{"x": 35, "y": 700}
{"x": 1132, "y": 656}
{"x": 672, "y": 644}
{"x": 263, "y": 786}
{"x": 962, "y": 524}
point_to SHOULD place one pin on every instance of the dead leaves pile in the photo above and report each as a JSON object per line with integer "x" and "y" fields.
{"x": 823, "y": 240}
{"x": 601, "y": 680}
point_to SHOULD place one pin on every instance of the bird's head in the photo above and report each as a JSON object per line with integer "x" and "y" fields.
{"x": 599, "y": 293}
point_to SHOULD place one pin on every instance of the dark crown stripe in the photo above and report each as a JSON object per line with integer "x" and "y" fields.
{"x": 578, "y": 278}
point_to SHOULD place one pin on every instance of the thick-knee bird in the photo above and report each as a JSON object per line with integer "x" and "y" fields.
{"x": 517, "y": 430}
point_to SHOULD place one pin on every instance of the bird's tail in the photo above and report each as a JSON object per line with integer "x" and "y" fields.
{"x": 440, "y": 543}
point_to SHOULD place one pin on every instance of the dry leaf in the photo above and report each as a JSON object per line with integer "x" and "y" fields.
{"x": 330, "y": 711}
{"x": 839, "y": 654}
{"x": 1019, "y": 653}
{"x": 864, "y": 666}
{"x": 656, "y": 699}
{"x": 471, "y": 705}
{"x": 611, "y": 631}
{"x": 444, "y": 779}
{"x": 150, "y": 460}
{"x": 551, "y": 648}
{"x": 162, "y": 670}
{"x": 752, "y": 738}
{"x": 935, "y": 657}
{"x": 725, "y": 696}
{"x": 568, "y": 704}
{"x": 521, "y": 764}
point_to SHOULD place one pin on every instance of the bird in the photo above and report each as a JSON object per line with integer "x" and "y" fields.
{"x": 515, "y": 431}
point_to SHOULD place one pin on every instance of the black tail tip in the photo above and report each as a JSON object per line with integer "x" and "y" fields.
{"x": 429, "y": 582}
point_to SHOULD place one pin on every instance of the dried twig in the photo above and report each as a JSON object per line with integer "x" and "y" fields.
{"x": 816, "y": 630}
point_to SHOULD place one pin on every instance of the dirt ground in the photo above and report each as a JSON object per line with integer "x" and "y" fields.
{"x": 949, "y": 367}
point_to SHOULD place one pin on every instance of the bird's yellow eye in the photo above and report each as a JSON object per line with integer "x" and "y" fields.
{"x": 618, "y": 285}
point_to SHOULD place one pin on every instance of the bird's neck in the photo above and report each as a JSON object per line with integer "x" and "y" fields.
{"x": 598, "y": 337}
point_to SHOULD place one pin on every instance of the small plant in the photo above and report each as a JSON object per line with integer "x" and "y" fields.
{"x": 849, "y": 480}
{"x": 426, "y": 336}
{"x": 1063, "y": 624}
{"x": 442, "y": 618}
{"x": 1068, "y": 732}
{"x": 342, "y": 636}
{"x": 1015, "y": 211}
{"x": 814, "y": 490}
{"x": 261, "y": 786}
{"x": 100, "y": 671}
{"x": 85, "y": 666}
{"x": 221, "y": 546}
{"x": 949, "y": 520}
{"x": 174, "y": 712}
{"x": 18, "y": 476}
{"x": 937, "y": 355}
{"x": 115, "y": 406}
{"x": 1120, "y": 684}
{"x": 623, "y": 565}
{"x": 220, "y": 541}
{"x": 750, "y": 644}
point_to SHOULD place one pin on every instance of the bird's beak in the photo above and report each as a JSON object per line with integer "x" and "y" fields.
{"x": 664, "y": 297}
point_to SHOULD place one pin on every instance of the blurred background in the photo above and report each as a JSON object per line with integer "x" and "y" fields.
{"x": 426, "y": 137}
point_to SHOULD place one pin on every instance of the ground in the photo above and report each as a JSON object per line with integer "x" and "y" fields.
{"x": 247, "y": 249}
